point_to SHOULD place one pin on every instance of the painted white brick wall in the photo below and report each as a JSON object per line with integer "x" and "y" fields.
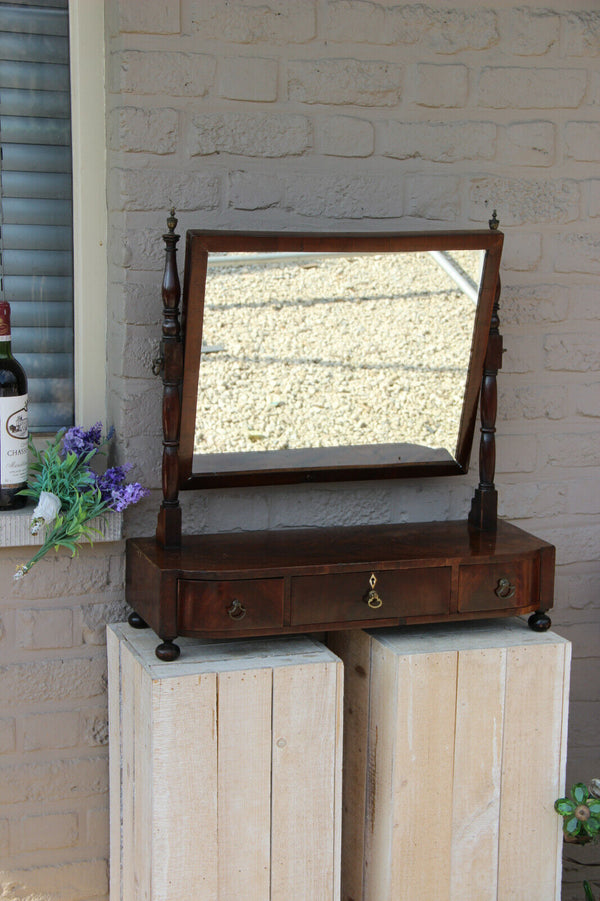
{"x": 324, "y": 114}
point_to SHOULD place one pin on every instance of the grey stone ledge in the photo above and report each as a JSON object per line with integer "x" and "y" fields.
{"x": 14, "y": 528}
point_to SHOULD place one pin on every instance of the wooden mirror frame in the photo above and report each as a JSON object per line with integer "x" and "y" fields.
{"x": 180, "y": 357}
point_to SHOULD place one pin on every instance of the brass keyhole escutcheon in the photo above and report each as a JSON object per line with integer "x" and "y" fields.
{"x": 505, "y": 589}
{"x": 237, "y": 610}
{"x": 373, "y": 600}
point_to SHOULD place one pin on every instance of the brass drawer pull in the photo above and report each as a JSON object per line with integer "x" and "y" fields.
{"x": 237, "y": 610}
{"x": 373, "y": 600}
{"x": 505, "y": 589}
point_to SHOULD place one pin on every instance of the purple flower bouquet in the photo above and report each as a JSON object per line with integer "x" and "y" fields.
{"x": 70, "y": 493}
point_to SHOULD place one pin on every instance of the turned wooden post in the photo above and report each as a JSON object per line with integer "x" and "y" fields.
{"x": 484, "y": 506}
{"x": 168, "y": 530}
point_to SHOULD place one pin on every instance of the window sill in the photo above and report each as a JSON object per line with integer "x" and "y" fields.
{"x": 14, "y": 528}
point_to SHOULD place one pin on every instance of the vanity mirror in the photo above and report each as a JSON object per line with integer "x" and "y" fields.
{"x": 332, "y": 357}
{"x": 319, "y": 358}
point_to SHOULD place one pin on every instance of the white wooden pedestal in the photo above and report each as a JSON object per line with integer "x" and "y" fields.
{"x": 225, "y": 770}
{"x": 454, "y": 753}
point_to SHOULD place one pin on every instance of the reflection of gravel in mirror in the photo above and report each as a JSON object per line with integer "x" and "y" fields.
{"x": 333, "y": 352}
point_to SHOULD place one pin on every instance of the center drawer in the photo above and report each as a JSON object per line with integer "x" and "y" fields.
{"x": 342, "y": 597}
{"x": 229, "y": 605}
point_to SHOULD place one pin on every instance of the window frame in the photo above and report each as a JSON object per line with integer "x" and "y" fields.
{"x": 90, "y": 215}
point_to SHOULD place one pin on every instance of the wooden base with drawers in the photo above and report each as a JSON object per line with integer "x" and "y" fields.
{"x": 315, "y": 580}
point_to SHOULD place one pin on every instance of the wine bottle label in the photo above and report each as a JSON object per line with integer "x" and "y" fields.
{"x": 13, "y": 440}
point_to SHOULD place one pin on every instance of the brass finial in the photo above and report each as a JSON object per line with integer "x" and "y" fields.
{"x": 172, "y": 221}
{"x": 494, "y": 222}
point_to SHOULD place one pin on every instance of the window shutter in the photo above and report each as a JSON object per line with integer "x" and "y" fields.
{"x": 36, "y": 225}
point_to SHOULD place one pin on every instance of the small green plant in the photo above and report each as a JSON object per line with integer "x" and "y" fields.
{"x": 580, "y": 812}
{"x": 581, "y": 820}
{"x": 70, "y": 494}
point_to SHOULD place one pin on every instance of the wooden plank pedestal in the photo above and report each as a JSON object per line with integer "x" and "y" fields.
{"x": 225, "y": 770}
{"x": 454, "y": 752}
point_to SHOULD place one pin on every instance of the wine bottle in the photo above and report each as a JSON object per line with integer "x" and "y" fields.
{"x": 14, "y": 430}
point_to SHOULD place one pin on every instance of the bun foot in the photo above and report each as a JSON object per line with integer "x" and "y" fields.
{"x": 136, "y": 621}
{"x": 539, "y": 622}
{"x": 167, "y": 651}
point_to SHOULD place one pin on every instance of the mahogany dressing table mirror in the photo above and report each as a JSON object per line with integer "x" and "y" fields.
{"x": 312, "y": 357}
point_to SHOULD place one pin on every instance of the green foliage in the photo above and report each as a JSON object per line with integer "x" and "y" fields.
{"x": 580, "y": 812}
{"x": 66, "y": 477}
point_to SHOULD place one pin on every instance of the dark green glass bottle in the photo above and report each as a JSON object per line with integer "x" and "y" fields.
{"x": 14, "y": 430}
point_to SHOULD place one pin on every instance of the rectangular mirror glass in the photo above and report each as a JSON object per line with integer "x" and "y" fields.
{"x": 334, "y": 356}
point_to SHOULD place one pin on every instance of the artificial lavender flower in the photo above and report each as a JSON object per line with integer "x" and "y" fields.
{"x": 112, "y": 480}
{"x": 80, "y": 442}
{"x": 125, "y": 495}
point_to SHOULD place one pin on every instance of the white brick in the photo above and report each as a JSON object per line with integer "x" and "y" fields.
{"x": 577, "y": 253}
{"x": 38, "y": 629}
{"x": 576, "y": 544}
{"x": 54, "y": 780}
{"x": 445, "y": 30}
{"x": 177, "y": 74}
{"x": 503, "y": 87}
{"x": 346, "y": 136}
{"x": 572, "y": 450}
{"x": 440, "y": 142}
{"x": 577, "y": 590}
{"x": 8, "y": 734}
{"x": 432, "y": 197}
{"x": 143, "y": 130}
{"x": 345, "y": 81}
{"x": 572, "y": 352}
{"x": 78, "y": 881}
{"x": 515, "y": 453}
{"x": 254, "y": 190}
{"x": 522, "y": 253}
{"x": 97, "y": 830}
{"x": 255, "y": 21}
{"x": 534, "y": 402}
{"x": 144, "y": 189}
{"x": 521, "y": 353}
{"x": 355, "y": 21}
{"x": 532, "y": 499}
{"x": 42, "y": 731}
{"x": 584, "y": 497}
{"x": 341, "y": 197}
{"x": 592, "y": 192}
{"x": 588, "y": 399}
{"x": 456, "y": 30}
{"x": 53, "y": 679}
{"x": 529, "y": 143}
{"x": 268, "y": 136}
{"x": 440, "y": 86}
{"x": 56, "y": 576}
{"x": 582, "y": 140}
{"x": 522, "y": 200}
{"x": 248, "y": 78}
{"x": 582, "y": 32}
{"x": 51, "y": 831}
{"x": 95, "y": 728}
{"x": 531, "y": 32}
{"x": 584, "y": 301}
{"x": 526, "y": 304}
{"x": 150, "y": 17}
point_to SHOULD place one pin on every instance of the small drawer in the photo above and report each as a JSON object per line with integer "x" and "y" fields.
{"x": 495, "y": 586}
{"x": 343, "y": 597}
{"x": 229, "y": 606}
